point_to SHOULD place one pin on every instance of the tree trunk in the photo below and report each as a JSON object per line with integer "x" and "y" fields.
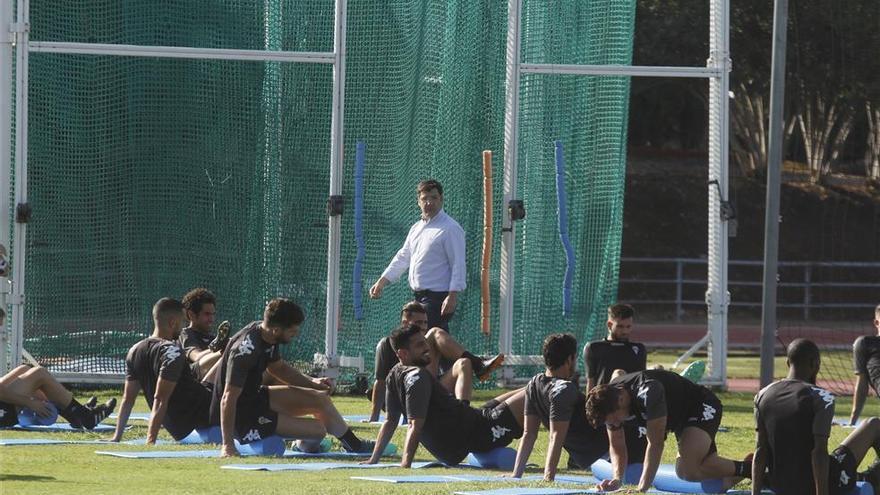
{"x": 750, "y": 143}
{"x": 872, "y": 153}
{"x": 824, "y": 128}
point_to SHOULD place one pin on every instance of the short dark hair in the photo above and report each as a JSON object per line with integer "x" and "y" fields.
{"x": 195, "y": 299}
{"x": 165, "y": 308}
{"x": 602, "y": 401}
{"x": 802, "y": 352}
{"x": 413, "y": 307}
{"x": 400, "y": 336}
{"x": 2, "y": 313}
{"x": 620, "y": 311}
{"x": 558, "y": 347}
{"x": 283, "y": 313}
{"x": 429, "y": 184}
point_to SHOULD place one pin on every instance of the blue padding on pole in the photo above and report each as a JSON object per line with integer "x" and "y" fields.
{"x": 29, "y": 417}
{"x": 357, "y": 284}
{"x": 562, "y": 201}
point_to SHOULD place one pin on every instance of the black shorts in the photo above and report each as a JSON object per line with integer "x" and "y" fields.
{"x": 842, "y": 467}
{"x": 496, "y": 427}
{"x": 254, "y": 419}
{"x": 8, "y": 415}
{"x": 705, "y": 416}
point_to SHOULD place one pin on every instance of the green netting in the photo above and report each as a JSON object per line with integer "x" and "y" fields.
{"x": 153, "y": 176}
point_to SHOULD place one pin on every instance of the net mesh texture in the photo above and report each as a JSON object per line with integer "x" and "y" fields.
{"x": 151, "y": 176}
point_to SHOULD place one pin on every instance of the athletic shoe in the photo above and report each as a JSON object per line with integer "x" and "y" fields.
{"x": 92, "y": 402}
{"x": 367, "y": 447}
{"x": 311, "y": 446}
{"x": 219, "y": 342}
{"x": 489, "y": 366}
{"x": 98, "y": 414}
{"x": 695, "y": 371}
{"x": 872, "y": 475}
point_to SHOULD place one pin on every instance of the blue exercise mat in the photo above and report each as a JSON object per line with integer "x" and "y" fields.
{"x": 844, "y": 422}
{"x": 360, "y": 419}
{"x": 10, "y": 442}
{"x": 528, "y": 491}
{"x": 133, "y": 416}
{"x": 432, "y": 478}
{"x": 64, "y": 427}
{"x": 189, "y": 454}
{"x": 320, "y": 466}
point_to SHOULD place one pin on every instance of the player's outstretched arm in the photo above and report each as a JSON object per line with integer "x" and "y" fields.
{"x": 412, "y": 441}
{"x": 759, "y": 462}
{"x": 656, "y": 434}
{"x": 860, "y": 393}
{"x": 129, "y": 395}
{"x": 285, "y": 373}
{"x": 558, "y": 432}
{"x": 618, "y": 454}
{"x": 385, "y": 433}
{"x": 378, "y": 400}
{"x": 228, "y": 407}
{"x": 819, "y": 458}
{"x": 164, "y": 389}
{"x": 531, "y": 424}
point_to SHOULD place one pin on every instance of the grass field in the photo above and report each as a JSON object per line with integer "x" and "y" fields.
{"x": 76, "y": 469}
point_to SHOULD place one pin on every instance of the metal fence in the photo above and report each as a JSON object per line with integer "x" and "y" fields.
{"x": 807, "y": 289}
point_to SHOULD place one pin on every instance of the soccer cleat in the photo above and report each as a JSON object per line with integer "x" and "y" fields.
{"x": 695, "y": 371}
{"x": 98, "y": 414}
{"x": 219, "y": 342}
{"x": 367, "y": 447}
{"x": 312, "y": 446}
{"x": 92, "y": 402}
{"x": 489, "y": 366}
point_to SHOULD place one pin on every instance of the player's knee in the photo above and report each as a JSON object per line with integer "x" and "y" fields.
{"x": 687, "y": 471}
{"x": 873, "y": 423}
{"x": 463, "y": 365}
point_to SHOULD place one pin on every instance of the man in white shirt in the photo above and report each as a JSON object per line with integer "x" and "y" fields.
{"x": 434, "y": 253}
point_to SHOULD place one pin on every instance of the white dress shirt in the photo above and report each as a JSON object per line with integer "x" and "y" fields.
{"x": 434, "y": 253}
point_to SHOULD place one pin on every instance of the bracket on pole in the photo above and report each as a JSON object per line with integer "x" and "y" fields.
{"x": 335, "y": 205}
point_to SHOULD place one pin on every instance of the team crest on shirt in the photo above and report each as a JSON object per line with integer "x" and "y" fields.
{"x": 635, "y": 349}
{"x": 172, "y": 352}
{"x": 263, "y": 420}
{"x": 825, "y": 395}
{"x": 246, "y": 346}
{"x": 838, "y": 456}
{"x": 2, "y": 413}
{"x": 643, "y": 431}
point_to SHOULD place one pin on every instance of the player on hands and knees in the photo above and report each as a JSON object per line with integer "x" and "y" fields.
{"x": 200, "y": 345}
{"x": 248, "y": 410}
{"x": 442, "y": 345}
{"x": 31, "y": 388}
{"x": 446, "y": 426}
{"x": 866, "y": 364}
{"x": 793, "y": 421}
{"x": 554, "y": 401}
{"x": 156, "y": 364}
{"x": 666, "y": 401}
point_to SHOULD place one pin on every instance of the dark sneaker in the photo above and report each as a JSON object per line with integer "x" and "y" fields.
{"x": 489, "y": 366}
{"x": 219, "y": 342}
{"x": 98, "y": 414}
{"x": 312, "y": 446}
{"x": 367, "y": 447}
{"x": 92, "y": 402}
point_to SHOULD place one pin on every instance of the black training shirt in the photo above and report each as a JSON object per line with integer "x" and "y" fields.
{"x": 658, "y": 393}
{"x": 866, "y": 360}
{"x": 242, "y": 364}
{"x": 385, "y": 358}
{"x": 193, "y": 340}
{"x": 605, "y": 356}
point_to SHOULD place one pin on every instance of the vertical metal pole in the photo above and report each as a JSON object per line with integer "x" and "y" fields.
{"x": 21, "y": 181}
{"x": 6, "y": 54}
{"x": 679, "y": 275}
{"x": 774, "y": 163}
{"x": 717, "y": 297}
{"x": 808, "y": 296}
{"x": 336, "y": 157}
{"x": 511, "y": 153}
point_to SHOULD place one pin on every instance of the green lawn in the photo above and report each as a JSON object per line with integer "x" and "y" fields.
{"x": 76, "y": 469}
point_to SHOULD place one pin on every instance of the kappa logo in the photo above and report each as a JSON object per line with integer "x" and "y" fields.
{"x": 411, "y": 380}
{"x": 252, "y": 436}
{"x": 643, "y": 431}
{"x": 2, "y": 413}
{"x": 708, "y": 412}
{"x": 643, "y": 395}
{"x": 172, "y": 352}
{"x": 246, "y": 346}
{"x": 827, "y": 396}
{"x": 844, "y": 478}
{"x": 498, "y": 432}
{"x": 263, "y": 420}
{"x": 559, "y": 386}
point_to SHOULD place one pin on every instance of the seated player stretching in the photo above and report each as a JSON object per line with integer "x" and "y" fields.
{"x": 446, "y": 426}
{"x": 553, "y": 400}
{"x": 866, "y": 364}
{"x": 457, "y": 380}
{"x": 27, "y": 387}
{"x": 248, "y": 410}
{"x": 666, "y": 402}
{"x": 156, "y": 364}
{"x": 200, "y": 346}
{"x": 793, "y": 421}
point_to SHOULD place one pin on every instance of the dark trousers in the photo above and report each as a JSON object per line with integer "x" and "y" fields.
{"x": 433, "y": 301}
